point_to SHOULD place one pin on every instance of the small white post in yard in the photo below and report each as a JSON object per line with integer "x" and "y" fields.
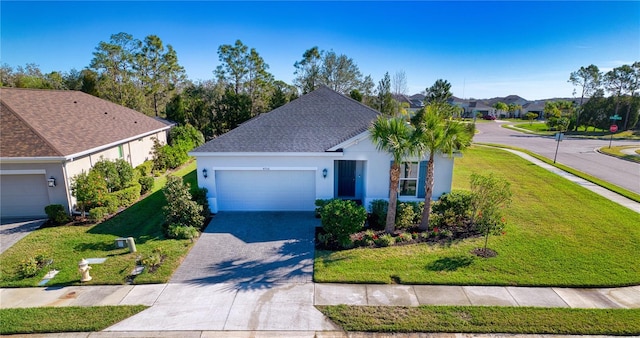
{"x": 131, "y": 244}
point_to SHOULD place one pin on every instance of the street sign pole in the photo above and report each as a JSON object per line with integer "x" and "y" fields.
{"x": 614, "y": 127}
{"x": 558, "y": 138}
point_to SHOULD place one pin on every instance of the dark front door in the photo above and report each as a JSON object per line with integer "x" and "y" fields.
{"x": 346, "y": 178}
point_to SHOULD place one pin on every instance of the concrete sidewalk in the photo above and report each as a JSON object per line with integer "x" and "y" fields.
{"x": 187, "y": 295}
{"x": 288, "y": 310}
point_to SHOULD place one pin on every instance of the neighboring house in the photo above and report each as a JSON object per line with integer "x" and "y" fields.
{"x": 48, "y": 136}
{"x": 413, "y": 105}
{"x": 315, "y": 147}
{"x": 536, "y": 107}
{"x": 476, "y": 107}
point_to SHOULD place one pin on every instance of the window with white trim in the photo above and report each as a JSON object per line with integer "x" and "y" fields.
{"x": 408, "y": 179}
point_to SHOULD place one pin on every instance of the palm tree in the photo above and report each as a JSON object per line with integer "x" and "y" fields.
{"x": 434, "y": 134}
{"x": 393, "y": 135}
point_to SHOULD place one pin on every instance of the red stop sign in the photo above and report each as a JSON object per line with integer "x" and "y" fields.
{"x": 613, "y": 128}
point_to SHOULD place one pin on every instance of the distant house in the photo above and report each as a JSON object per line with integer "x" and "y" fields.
{"x": 536, "y": 107}
{"x": 315, "y": 147}
{"x": 413, "y": 104}
{"x": 477, "y": 107}
{"x": 48, "y": 136}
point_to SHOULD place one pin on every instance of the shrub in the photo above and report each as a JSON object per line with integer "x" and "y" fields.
{"x": 145, "y": 168}
{"x": 378, "y": 218}
{"x": 56, "y": 213}
{"x": 111, "y": 204}
{"x": 28, "y": 267}
{"x": 89, "y": 189}
{"x": 118, "y": 174}
{"x": 324, "y": 238}
{"x": 404, "y": 237}
{"x": 178, "y": 231}
{"x": 146, "y": 184}
{"x": 180, "y": 208}
{"x": 454, "y": 210}
{"x": 199, "y": 195}
{"x": 152, "y": 261}
{"x": 341, "y": 219}
{"x": 367, "y": 238}
{"x": 98, "y": 214}
{"x": 127, "y": 196}
{"x": 406, "y": 215}
{"x": 385, "y": 240}
{"x": 320, "y": 203}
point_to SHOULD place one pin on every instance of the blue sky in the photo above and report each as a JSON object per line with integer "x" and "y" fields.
{"x": 485, "y": 49}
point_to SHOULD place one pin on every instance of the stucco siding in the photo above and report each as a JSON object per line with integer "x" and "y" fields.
{"x": 57, "y": 194}
{"x": 375, "y": 171}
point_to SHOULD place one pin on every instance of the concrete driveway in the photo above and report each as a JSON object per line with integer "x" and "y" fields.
{"x": 252, "y": 248}
{"x": 248, "y": 271}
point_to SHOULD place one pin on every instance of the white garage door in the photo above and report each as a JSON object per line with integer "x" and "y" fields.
{"x": 257, "y": 190}
{"x": 23, "y": 195}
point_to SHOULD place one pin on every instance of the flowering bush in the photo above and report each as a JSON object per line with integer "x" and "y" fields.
{"x": 404, "y": 237}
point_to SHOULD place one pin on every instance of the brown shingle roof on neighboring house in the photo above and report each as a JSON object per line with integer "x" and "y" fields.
{"x": 314, "y": 122}
{"x": 19, "y": 139}
{"x": 64, "y": 122}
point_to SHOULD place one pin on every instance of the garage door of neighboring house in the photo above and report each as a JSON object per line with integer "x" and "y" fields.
{"x": 265, "y": 190}
{"x": 23, "y": 195}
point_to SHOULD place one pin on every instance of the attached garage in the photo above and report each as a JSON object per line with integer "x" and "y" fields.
{"x": 23, "y": 195}
{"x": 261, "y": 190}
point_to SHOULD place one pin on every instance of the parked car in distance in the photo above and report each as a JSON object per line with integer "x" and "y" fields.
{"x": 489, "y": 117}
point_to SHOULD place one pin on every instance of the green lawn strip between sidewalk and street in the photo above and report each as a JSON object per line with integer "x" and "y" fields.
{"x": 618, "y": 190}
{"x": 557, "y": 234}
{"x": 67, "y": 245}
{"x": 482, "y": 319}
{"x": 63, "y": 319}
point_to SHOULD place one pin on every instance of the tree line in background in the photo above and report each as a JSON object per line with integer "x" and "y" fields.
{"x": 145, "y": 75}
{"x": 622, "y": 83}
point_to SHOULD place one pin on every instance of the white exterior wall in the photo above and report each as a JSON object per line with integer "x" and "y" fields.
{"x": 376, "y": 169}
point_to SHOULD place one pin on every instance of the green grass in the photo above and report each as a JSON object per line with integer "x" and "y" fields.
{"x": 534, "y": 127}
{"x": 469, "y": 319}
{"x": 617, "y": 152}
{"x": 63, "y": 319}
{"x": 618, "y": 190}
{"x": 67, "y": 245}
{"x": 557, "y": 234}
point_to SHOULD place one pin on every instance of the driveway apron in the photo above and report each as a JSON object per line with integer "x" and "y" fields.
{"x": 252, "y": 247}
{"x": 248, "y": 271}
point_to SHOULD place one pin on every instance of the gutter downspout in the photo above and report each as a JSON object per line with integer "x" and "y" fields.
{"x": 67, "y": 187}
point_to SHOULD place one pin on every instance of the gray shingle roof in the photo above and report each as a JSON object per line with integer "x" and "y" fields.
{"x": 314, "y": 122}
{"x": 38, "y": 123}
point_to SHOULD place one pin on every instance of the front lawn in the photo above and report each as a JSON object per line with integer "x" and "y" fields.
{"x": 557, "y": 234}
{"x": 482, "y": 319}
{"x": 67, "y": 245}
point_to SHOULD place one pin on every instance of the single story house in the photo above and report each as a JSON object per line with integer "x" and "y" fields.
{"x": 49, "y": 136}
{"x": 315, "y": 147}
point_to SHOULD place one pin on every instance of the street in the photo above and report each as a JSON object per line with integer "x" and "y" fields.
{"x": 577, "y": 153}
